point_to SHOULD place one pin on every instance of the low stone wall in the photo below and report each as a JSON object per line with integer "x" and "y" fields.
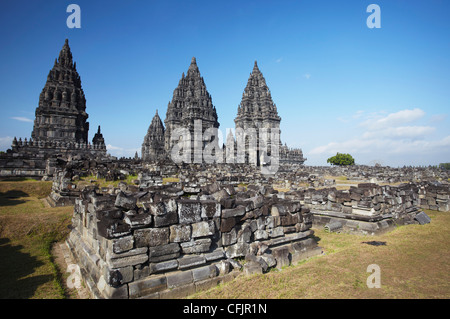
{"x": 158, "y": 243}
{"x": 435, "y": 197}
{"x": 370, "y": 208}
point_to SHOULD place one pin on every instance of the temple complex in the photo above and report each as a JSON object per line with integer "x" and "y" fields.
{"x": 191, "y": 102}
{"x": 60, "y": 126}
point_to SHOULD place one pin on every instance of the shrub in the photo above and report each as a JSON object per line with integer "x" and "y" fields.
{"x": 341, "y": 159}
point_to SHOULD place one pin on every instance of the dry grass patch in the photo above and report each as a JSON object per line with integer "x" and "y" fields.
{"x": 27, "y": 231}
{"x": 414, "y": 263}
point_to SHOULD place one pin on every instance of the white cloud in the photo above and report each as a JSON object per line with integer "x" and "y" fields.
{"x": 307, "y": 76}
{"x": 402, "y": 132}
{"x": 22, "y": 119}
{"x": 386, "y": 136}
{"x": 392, "y": 119}
{"x": 279, "y": 60}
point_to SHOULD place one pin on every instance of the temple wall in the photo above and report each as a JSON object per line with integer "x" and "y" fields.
{"x": 158, "y": 243}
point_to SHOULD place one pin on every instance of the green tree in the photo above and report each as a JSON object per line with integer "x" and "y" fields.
{"x": 341, "y": 159}
{"x": 445, "y": 166}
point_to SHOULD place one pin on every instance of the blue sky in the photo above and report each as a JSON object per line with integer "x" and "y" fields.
{"x": 382, "y": 95}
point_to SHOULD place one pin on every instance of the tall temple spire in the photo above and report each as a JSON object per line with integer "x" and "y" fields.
{"x": 191, "y": 101}
{"x": 153, "y": 145}
{"x": 257, "y": 110}
{"x": 61, "y": 113}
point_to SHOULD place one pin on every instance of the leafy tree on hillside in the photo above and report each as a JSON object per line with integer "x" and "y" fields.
{"x": 341, "y": 159}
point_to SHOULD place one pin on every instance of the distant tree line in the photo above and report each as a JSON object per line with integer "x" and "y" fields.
{"x": 445, "y": 166}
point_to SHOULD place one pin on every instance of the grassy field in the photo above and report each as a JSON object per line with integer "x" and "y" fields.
{"x": 414, "y": 262}
{"x": 27, "y": 231}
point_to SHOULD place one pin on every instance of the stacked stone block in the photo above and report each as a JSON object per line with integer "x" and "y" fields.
{"x": 160, "y": 243}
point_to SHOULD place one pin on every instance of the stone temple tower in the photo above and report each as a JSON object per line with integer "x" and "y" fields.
{"x": 61, "y": 113}
{"x": 153, "y": 145}
{"x": 257, "y": 111}
{"x": 190, "y": 102}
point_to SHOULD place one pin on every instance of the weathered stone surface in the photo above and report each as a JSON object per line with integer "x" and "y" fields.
{"x": 163, "y": 266}
{"x": 170, "y": 218}
{"x": 125, "y": 261}
{"x": 191, "y": 261}
{"x": 189, "y": 211}
{"x": 202, "y": 229}
{"x": 237, "y": 250}
{"x": 218, "y": 253}
{"x": 125, "y": 201}
{"x": 252, "y": 267}
{"x": 138, "y": 220}
{"x": 117, "y": 277}
{"x": 113, "y": 228}
{"x": 227, "y": 224}
{"x": 196, "y": 246}
{"x": 233, "y": 212}
{"x": 151, "y": 237}
{"x": 123, "y": 244}
{"x": 164, "y": 252}
{"x": 281, "y": 255}
{"x": 179, "y": 278}
{"x": 210, "y": 209}
{"x": 147, "y": 286}
{"x": 180, "y": 233}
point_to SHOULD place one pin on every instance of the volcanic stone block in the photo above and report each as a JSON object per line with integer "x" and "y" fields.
{"x": 281, "y": 255}
{"x": 117, "y": 277}
{"x": 275, "y": 232}
{"x": 196, "y": 246}
{"x": 151, "y": 237}
{"x": 113, "y": 213}
{"x": 102, "y": 202}
{"x": 180, "y": 233}
{"x": 125, "y": 201}
{"x": 233, "y": 212}
{"x": 210, "y": 209}
{"x": 179, "y": 278}
{"x": 170, "y": 218}
{"x": 164, "y": 252}
{"x": 215, "y": 254}
{"x": 123, "y": 244}
{"x": 226, "y": 224}
{"x": 289, "y": 219}
{"x": 157, "y": 209}
{"x": 237, "y": 250}
{"x": 189, "y": 211}
{"x": 113, "y": 228}
{"x": 260, "y": 234}
{"x": 202, "y": 229}
{"x": 163, "y": 266}
{"x": 190, "y": 261}
{"x": 128, "y": 260}
{"x": 147, "y": 286}
{"x": 252, "y": 267}
{"x": 138, "y": 220}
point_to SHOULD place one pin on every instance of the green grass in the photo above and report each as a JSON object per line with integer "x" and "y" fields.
{"x": 27, "y": 231}
{"x": 101, "y": 182}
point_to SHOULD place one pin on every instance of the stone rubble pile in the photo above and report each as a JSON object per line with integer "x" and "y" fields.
{"x": 161, "y": 242}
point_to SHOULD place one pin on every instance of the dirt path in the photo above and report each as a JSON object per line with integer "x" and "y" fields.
{"x": 64, "y": 262}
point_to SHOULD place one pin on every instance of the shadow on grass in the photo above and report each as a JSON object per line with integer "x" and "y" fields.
{"x": 14, "y": 266}
{"x": 12, "y": 198}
